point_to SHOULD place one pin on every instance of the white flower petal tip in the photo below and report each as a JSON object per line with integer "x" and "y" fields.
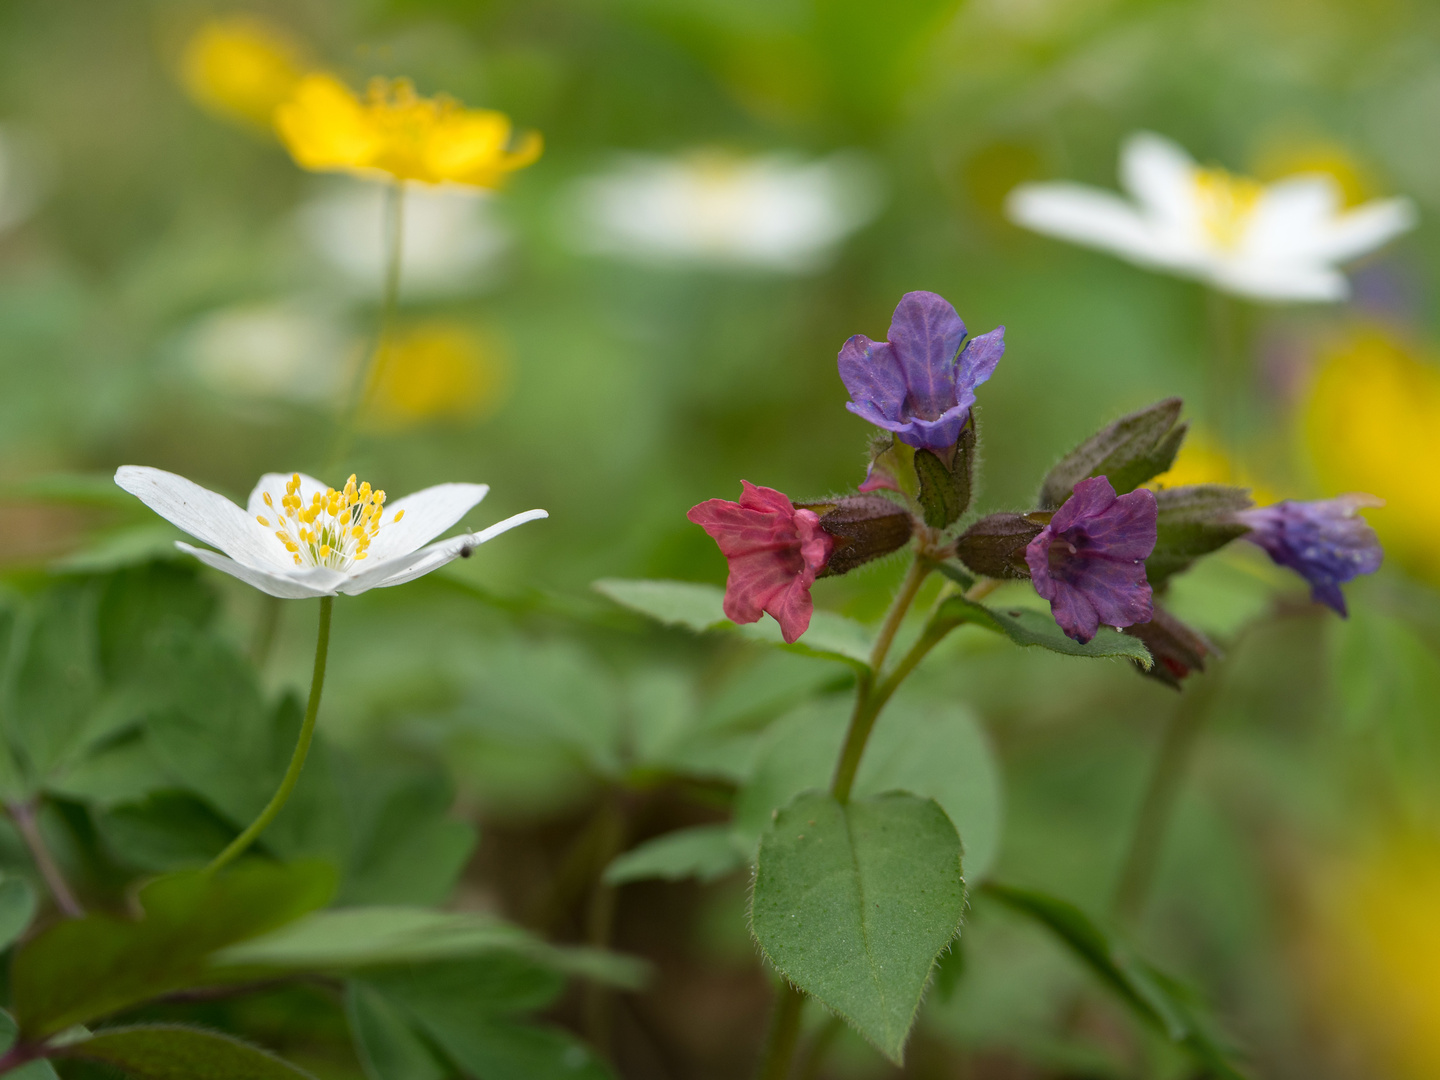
{"x": 1278, "y": 242}
{"x": 301, "y": 539}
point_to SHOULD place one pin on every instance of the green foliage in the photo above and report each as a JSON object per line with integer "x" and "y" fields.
{"x": 706, "y": 852}
{"x": 1152, "y": 996}
{"x": 1026, "y": 626}
{"x": 1128, "y": 452}
{"x": 930, "y": 748}
{"x": 854, "y": 903}
{"x": 17, "y": 908}
{"x": 699, "y": 608}
{"x": 81, "y": 970}
{"x": 389, "y": 1048}
{"x": 940, "y": 495}
{"x": 174, "y": 1052}
{"x": 1192, "y": 521}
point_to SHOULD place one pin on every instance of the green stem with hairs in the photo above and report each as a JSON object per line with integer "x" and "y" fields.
{"x": 302, "y": 748}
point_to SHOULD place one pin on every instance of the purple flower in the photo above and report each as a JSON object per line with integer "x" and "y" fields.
{"x": 919, "y": 384}
{"x": 1325, "y": 542}
{"x": 1089, "y": 562}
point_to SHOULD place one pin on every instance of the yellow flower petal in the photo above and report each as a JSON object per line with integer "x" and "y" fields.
{"x": 241, "y": 68}
{"x": 1372, "y": 423}
{"x": 325, "y": 127}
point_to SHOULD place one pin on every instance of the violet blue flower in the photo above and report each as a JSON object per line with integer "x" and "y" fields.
{"x": 774, "y": 551}
{"x": 919, "y": 384}
{"x": 1326, "y": 542}
{"x": 1089, "y": 562}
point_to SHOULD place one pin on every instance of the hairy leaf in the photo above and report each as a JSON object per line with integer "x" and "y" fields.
{"x": 1025, "y": 626}
{"x": 853, "y": 904}
{"x": 1128, "y": 452}
{"x": 1192, "y": 521}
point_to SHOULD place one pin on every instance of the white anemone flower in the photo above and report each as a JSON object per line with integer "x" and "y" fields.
{"x": 1280, "y": 241}
{"x": 771, "y": 212}
{"x": 298, "y": 538}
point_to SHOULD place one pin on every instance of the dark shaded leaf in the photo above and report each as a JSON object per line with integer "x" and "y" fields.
{"x": 175, "y": 1052}
{"x": 385, "y": 1042}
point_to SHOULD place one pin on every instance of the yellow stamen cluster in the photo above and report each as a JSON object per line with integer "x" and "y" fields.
{"x": 1226, "y": 203}
{"x": 335, "y": 530}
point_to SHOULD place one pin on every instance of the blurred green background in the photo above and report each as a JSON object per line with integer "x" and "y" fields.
{"x": 175, "y": 292}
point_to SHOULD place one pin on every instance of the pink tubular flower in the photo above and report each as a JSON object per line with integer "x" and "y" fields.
{"x": 774, "y": 552}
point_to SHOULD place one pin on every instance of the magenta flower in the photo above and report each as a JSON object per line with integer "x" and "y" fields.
{"x": 1089, "y": 562}
{"x": 919, "y": 384}
{"x": 774, "y": 552}
{"x": 1326, "y": 542}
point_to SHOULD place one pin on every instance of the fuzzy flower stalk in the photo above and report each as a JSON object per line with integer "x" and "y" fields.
{"x": 298, "y": 538}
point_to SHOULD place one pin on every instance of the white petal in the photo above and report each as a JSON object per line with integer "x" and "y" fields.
{"x": 275, "y": 582}
{"x": 1302, "y": 281}
{"x": 428, "y": 513}
{"x": 1161, "y": 176}
{"x": 408, "y": 567}
{"x": 203, "y": 514}
{"x": 1366, "y": 228}
{"x": 1291, "y": 218}
{"x": 1095, "y": 218}
{"x": 274, "y": 483}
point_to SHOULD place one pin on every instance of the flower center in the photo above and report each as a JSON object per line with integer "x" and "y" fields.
{"x": 335, "y": 530}
{"x": 1226, "y": 204}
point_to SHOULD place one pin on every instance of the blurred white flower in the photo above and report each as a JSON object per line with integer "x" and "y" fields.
{"x": 23, "y": 176}
{"x": 1279, "y": 241}
{"x": 450, "y": 237}
{"x": 273, "y": 351}
{"x": 298, "y": 538}
{"x": 773, "y": 212}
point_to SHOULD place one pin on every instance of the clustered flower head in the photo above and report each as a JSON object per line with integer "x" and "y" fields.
{"x": 1094, "y": 547}
{"x": 920, "y": 383}
{"x": 1280, "y": 241}
{"x": 395, "y": 132}
{"x": 1326, "y": 542}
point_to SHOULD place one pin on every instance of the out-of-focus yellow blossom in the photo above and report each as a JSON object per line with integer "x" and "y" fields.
{"x": 1294, "y": 157}
{"x": 1372, "y": 423}
{"x": 394, "y": 131}
{"x": 241, "y": 68}
{"x": 1376, "y": 946}
{"x": 437, "y": 371}
{"x": 1200, "y": 461}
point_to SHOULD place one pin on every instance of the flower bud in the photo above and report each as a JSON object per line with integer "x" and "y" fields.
{"x": 1176, "y": 648}
{"x": 861, "y": 527}
{"x": 995, "y": 545}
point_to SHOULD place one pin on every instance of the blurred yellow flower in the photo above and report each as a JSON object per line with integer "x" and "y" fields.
{"x": 437, "y": 371}
{"x": 241, "y": 68}
{"x": 1377, "y": 949}
{"x": 1372, "y": 423}
{"x": 1290, "y": 156}
{"x": 393, "y": 131}
{"x": 1201, "y": 461}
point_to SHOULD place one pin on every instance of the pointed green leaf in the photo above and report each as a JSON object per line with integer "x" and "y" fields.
{"x": 81, "y": 970}
{"x": 939, "y": 496}
{"x": 175, "y": 1052}
{"x": 700, "y": 607}
{"x": 1026, "y": 626}
{"x": 1192, "y": 521}
{"x": 1154, "y": 997}
{"x": 17, "y": 908}
{"x": 853, "y": 904}
{"x": 707, "y": 852}
{"x": 385, "y": 1042}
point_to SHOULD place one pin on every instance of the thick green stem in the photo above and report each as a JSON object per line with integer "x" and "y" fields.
{"x": 302, "y": 747}
{"x": 868, "y": 698}
{"x": 367, "y": 377}
{"x": 1172, "y": 761}
{"x": 784, "y": 1033}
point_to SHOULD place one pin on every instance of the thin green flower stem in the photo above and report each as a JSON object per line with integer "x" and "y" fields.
{"x": 868, "y": 702}
{"x": 784, "y": 1033}
{"x": 302, "y": 747}
{"x": 1228, "y": 379}
{"x": 23, "y": 814}
{"x": 368, "y": 376}
{"x": 1157, "y": 808}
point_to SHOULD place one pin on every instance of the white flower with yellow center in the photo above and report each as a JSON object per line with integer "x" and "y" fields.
{"x": 299, "y": 538}
{"x": 1280, "y": 241}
